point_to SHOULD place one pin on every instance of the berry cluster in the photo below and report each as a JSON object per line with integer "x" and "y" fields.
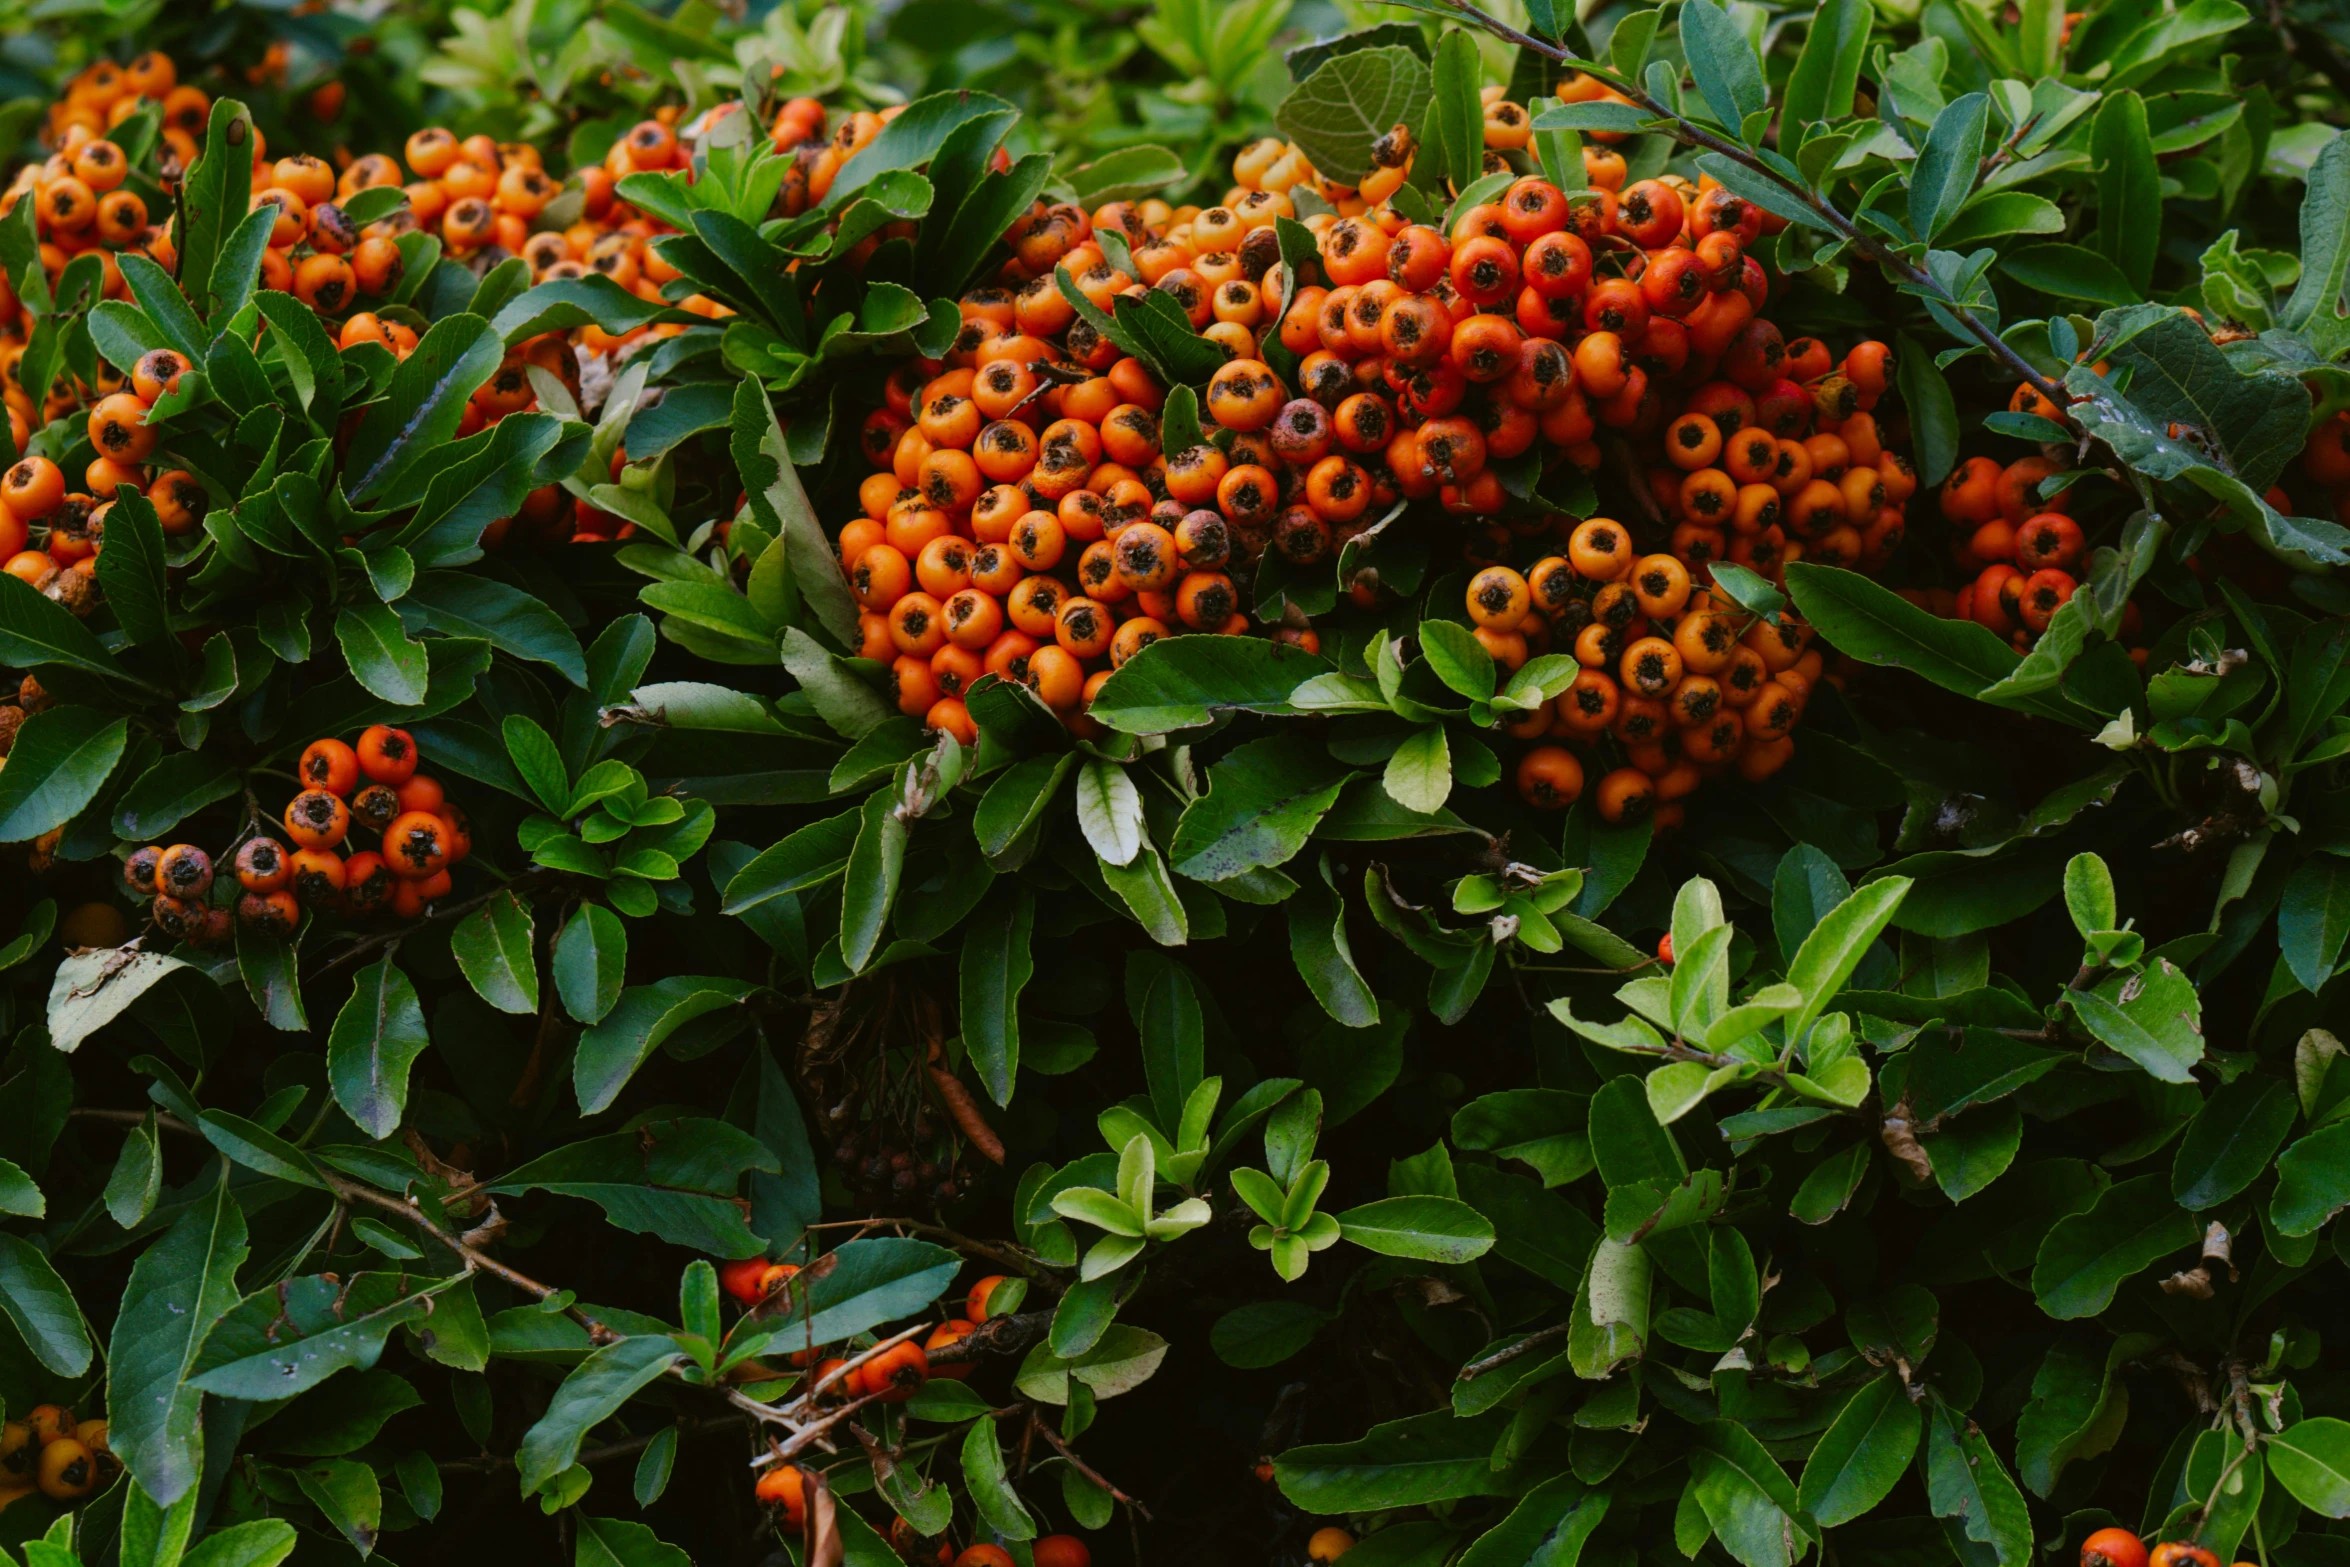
{"x": 1026, "y": 520}
{"x": 481, "y": 200}
{"x": 890, "y": 1376}
{"x": 49, "y": 1451}
{"x": 2022, "y": 553}
{"x": 373, "y": 785}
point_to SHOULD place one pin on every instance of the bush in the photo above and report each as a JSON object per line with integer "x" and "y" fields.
{"x": 884, "y": 783}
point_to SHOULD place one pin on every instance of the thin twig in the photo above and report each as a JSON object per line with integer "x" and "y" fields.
{"x": 492, "y": 1463}
{"x": 1869, "y": 247}
{"x": 440, "y": 915}
{"x": 1502, "y": 1357}
{"x": 1082, "y": 1467}
{"x": 475, "y": 1260}
{"x": 168, "y": 1123}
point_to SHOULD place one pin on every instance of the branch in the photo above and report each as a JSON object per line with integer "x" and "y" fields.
{"x": 1687, "y": 130}
{"x": 441, "y": 914}
{"x": 492, "y": 1463}
{"x": 475, "y": 1260}
{"x": 1502, "y": 1357}
{"x": 1024, "y": 1263}
{"x": 1082, "y": 1467}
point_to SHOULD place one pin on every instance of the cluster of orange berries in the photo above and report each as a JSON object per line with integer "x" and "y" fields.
{"x": 49, "y": 1451}
{"x": 1685, "y": 682}
{"x": 2024, "y": 552}
{"x": 484, "y": 200}
{"x": 374, "y": 784}
{"x": 1025, "y": 520}
{"x": 2120, "y": 1548}
{"x": 893, "y": 1376}
{"x": 33, "y": 491}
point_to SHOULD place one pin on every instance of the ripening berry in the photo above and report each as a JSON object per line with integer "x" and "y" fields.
{"x": 184, "y": 871}
{"x": 387, "y": 755}
{"x": 416, "y": 844}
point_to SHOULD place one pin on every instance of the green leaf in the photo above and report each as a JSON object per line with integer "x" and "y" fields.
{"x": 92, "y": 988}
{"x": 2313, "y": 307}
{"x": 37, "y": 631}
{"x": 1837, "y": 944}
{"x": 613, "y": 1048}
{"x": 493, "y": 947}
{"x": 1933, "y": 412}
{"x": 1945, "y": 171}
{"x": 620, "y": 1542}
{"x": 590, "y": 962}
{"x": 998, "y": 1505}
{"x": 2087, "y": 1256}
{"x": 1547, "y": 1528}
{"x": 2074, "y": 1412}
{"x": 1863, "y": 1453}
{"x": 673, "y": 1178}
{"x": 590, "y": 1395}
{"x": 1428, "y": 1229}
{"x": 40, "y": 1306}
{"x": 1827, "y": 71}
{"x": 810, "y": 857}
{"x": 376, "y": 1038}
{"x": 350, "y": 1496}
{"x": 2070, "y": 272}
{"x": 131, "y": 568}
{"x": 876, "y": 862}
{"x": 1418, "y": 776}
{"x": 1349, "y": 102}
{"x": 852, "y": 708}
{"x": 1403, "y": 1463}
{"x": 1609, "y": 1322}
{"x": 2313, "y": 1181}
{"x": 290, "y": 1337}
{"x": 179, "y": 1287}
{"x": 256, "y": 1147}
{"x": 62, "y": 758}
{"x": 2153, "y": 1016}
{"x": 565, "y": 303}
{"x": 382, "y": 657}
{"x": 2231, "y": 1141}
{"x": 1127, "y": 174}
{"x": 1120, "y": 1360}
{"x": 2313, "y": 921}
{"x": 2311, "y": 1459}
{"x": 213, "y": 199}
{"x": 1319, "y": 947}
{"x": 420, "y": 410}
{"x": 1746, "y": 1496}
{"x": 1263, "y": 802}
{"x": 1543, "y": 1127}
{"x": 166, "y": 794}
{"x": 1722, "y": 63}
{"x": 137, "y": 1177}
{"x": 994, "y": 969}
{"x": 1966, "y": 1481}
{"x": 463, "y": 604}
{"x": 1877, "y": 626}
{"x": 1265, "y": 1332}
{"x": 2088, "y": 895}
{"x": 780, "y": 503}
{"x": 1109, "y": 811}
{"x": 1452, "y": 144}
{"x": 266, "y": 963}
{"x": 263, "y": 1542}
{"x": 2129, "y": 186}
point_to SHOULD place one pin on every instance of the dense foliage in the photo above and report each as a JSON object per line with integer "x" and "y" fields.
{"x": 682, "y": 883}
